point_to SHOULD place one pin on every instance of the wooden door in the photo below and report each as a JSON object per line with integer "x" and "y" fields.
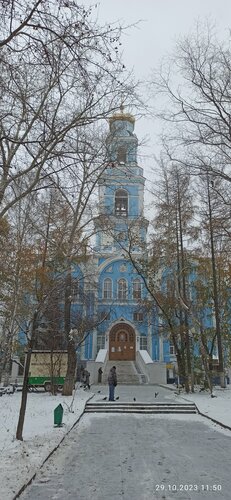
{"x": 122, "y": 343}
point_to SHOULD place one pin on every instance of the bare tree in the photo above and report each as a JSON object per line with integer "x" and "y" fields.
{"x": 61, "y": 72}
{"x": 172, "y": 230}
{"x": 17, "y": 17}
{"x": 195, "y": 89}
{"x": 215, "y": 223}
{"x": 31, "y": 332}
{"x": 197, "y": 92}
{"x": 81, "y": 180}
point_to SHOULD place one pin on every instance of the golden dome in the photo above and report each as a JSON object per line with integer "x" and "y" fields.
{"x": 122, "y": 116}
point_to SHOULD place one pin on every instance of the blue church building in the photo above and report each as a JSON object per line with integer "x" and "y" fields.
{"x": 126, "y": 327}
{"x": 128, "y": 331}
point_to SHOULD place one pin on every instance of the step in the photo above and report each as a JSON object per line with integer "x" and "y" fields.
{"x": 139, "y": 403}
{"x": 122, "y": 407}
{"x": 145, "y": 412}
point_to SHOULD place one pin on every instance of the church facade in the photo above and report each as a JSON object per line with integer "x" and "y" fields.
{"x": 124, "y": 323}
{"x": 127, "y": 326}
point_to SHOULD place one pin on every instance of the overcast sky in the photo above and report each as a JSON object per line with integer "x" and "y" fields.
{"x": 162, "y": 22}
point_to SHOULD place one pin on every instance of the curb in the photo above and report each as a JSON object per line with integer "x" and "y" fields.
{"x": 213, "y": 419}
{"x": 22, "y": 489}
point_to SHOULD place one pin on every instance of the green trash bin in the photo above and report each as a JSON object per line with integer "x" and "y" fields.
{"x": 58, "y": 415}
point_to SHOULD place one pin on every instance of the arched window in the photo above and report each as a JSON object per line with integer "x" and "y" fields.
{"x": 122, "y": 289}
{"x": 107, "y": 288}
{"x": 121, "y": 202}
{"x": 121, "y": 154}
{"x": 136, "y": 289}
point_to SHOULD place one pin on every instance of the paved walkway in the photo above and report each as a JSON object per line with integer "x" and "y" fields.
{"x": 124, "y": 457}
{"x": 128, "y": 456}
{"x": 141, "y": 393}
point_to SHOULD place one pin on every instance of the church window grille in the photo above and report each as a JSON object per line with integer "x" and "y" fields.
{"x": 121, "y": 203}
{"x": 136, "y": 289}
{"x": 107, "y": 289}
{"x": 138, "y": 316}
{"x": 121, "y": 155}
{"x": 122, "y": 289}
{"x": 143, "y": 343}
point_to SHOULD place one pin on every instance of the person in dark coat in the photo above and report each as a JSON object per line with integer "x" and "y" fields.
{"x": 112, "y": 382}
{"x": 100, "y": 371}
{"x": 87, "y": 379}
{"x": 82, "y": 374}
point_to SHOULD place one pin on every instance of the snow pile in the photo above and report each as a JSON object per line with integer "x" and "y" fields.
{"x": 20, "y": 460}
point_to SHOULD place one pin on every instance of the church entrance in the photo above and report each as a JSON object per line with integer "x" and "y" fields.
{"x": 122, "y": 343}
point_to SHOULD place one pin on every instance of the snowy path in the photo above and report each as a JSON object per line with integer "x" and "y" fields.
{"x": 21, "y": 459}
{"x": 130, "y": 457}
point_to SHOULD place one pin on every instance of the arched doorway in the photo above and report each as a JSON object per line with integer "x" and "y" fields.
{"x": 122, "y": 343}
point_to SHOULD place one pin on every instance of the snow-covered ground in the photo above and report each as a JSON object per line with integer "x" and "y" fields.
{"x": 218, "y": 407}
{"x": 20, "y": 460}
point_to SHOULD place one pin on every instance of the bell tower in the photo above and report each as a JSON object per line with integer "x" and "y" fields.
{"x": 121, "y": 219}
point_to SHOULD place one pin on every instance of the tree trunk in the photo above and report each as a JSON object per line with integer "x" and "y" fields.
{"x": 215, "y": 289}
{"x": 182, "y": 369}
{"x": 182, "y": 286}
{"x": 22, "y": 411}
{"x": 71, "y": 351}
{"x": 71, "y": 370}
{"x": 24, "y": 398}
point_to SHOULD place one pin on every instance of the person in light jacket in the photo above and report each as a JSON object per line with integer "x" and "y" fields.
{"x": 112, "y": 382}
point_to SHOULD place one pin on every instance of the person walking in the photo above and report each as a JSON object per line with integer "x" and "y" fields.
{"x": 87, "y": 379}
{"x": 82, "y": 374}
{"x": 112, "y": 382}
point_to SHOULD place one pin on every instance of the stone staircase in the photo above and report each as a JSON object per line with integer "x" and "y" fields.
{"x": 144, "y": 408}
{"x": 126, "y": 372}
